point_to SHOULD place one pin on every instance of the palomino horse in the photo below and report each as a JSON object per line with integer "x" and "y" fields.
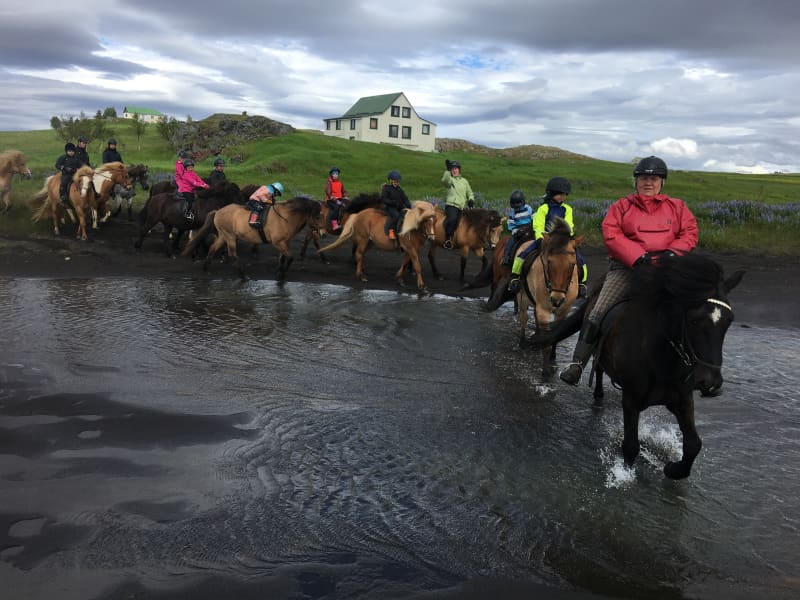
{"x": 281, "y": 224}
{"x": 663, "y": 344}
{"x": 106, "y": 178}
{"x": 550, "y": 282}
{"x": 168, "y": 210}
{"x": 366, "y": 228}
{"x": 477, "y": 229}
{"x": 11, "y": 162}
{"x": 81, "y": 197}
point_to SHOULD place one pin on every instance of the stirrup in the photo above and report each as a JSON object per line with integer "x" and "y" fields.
{"x": 583, "y": 291}
{"x": 513, "y": 285}
{"x": 568, "y": 374}
{"x": 448, "y": 244}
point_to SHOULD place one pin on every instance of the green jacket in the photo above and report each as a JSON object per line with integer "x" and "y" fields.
{"x": 458, "y": 190}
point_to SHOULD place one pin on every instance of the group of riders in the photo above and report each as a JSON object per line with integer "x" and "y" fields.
{"x": 644, "y": 227}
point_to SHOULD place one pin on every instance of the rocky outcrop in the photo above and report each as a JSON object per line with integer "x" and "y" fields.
{"x": 529, "y": 151}
{"x": 218, "y": 132}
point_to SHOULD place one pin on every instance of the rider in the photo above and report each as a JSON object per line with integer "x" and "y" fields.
{"x": 644, "y": 227}
{"x": 554, "y": 204}
{"x": 520, "y": 217}
{"x": 261, "y": 200}
{"x": 179, "y": 168}
{"x": 217, "y": 174}
{"x": 110, "y": 154}
{"x": 81, "y": 152}
{"x": 394, "y": 200}
{"x": 334, "y": 195}
{"x": 459, "y": 194}
{"x": 187, "y": 183}
{"x": 68, "y": 164}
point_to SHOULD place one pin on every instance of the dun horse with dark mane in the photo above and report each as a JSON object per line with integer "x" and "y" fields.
{"x": 663, "y": 344}
{"x": 281, "y": 224}
{"x": 12, "y": 162}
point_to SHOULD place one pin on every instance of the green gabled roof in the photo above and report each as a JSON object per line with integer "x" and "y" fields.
{"x": 139, "y": 110}
{"x": 372, "y": 105}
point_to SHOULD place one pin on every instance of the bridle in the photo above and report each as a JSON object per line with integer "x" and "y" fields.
{"x": 546, "y": 270}
{"x": 686, "y": 351}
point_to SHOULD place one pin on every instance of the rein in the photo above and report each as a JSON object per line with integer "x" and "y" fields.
{"x": 686, "y": 351}
{"x": 546, "y": 271}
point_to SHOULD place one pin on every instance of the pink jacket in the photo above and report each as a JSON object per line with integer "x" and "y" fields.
{"x": 188, "y": 181}
{"x": 635, "y": 225}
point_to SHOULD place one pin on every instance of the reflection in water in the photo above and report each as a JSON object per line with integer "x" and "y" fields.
{"x": 364, "y": 443}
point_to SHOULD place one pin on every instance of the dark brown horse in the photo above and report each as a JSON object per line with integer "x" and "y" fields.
{"x": 167, "y": 210}
{"x": 477, "y": 229}
{"x": 366, "y": 229}
{"x": 661, "y": 345}
{"x": 281, "y": 224}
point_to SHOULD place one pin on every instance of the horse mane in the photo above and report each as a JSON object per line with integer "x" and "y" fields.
{"x": 419, "y": 211}
{"x": 112, "y": 166}
{"x": 479, "y": 218}
{"x": 84, "y": 171}
{"x": 302, "y": 204}
{"x": 362, "y": 201}
{"x": 9, "y": 158}
{"x": 222, "y": 189}
{"x": 686, "y": 279}
{"x": 558, "y": 234}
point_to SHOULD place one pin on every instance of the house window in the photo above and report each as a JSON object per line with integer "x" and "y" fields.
{"x": 393, "y": 131}
{"x": 338, "y": 124}
{"x": 373, "y": 123}
{"x": 352, "y": 123}
{"x": 406, "y": 112}
{"x": 406, "y": 133}
{"x": 426, "y": 129}
{"x": 395, "y": 111}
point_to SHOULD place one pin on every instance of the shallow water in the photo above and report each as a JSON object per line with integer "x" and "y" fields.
{"x": 320, "y": 441}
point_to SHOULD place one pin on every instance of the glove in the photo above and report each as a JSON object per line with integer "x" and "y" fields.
{"x": 447, "y": 163}
{"x": 644, "y": 259}
{"x": 470, "y": 204}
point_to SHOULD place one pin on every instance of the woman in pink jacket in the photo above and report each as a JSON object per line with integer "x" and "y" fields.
{"x": 187, "y": 182}
{"x": 646, "y": 226}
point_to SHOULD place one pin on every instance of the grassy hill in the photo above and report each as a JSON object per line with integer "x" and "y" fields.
{"x": 754, "y": 213}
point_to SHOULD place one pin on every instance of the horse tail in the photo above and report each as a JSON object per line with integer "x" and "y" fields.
{"x": 560, "y": 330}
{"x": 39, "y": 202}
{"x": 200, "y": 234}
{"x": 346, "y": 234}
{"x": 500, "y": 296}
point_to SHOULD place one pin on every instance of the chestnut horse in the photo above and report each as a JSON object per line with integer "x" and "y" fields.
{"x": 11, "y": 162}
{"x": 661, "y": 345}
{"x": 550, "y": 280}
{"x": 106, "y": 178}
{"x": 281, "y": 224}
{"x": 366, "y": 228}
{"x": 81, "y": 196}
{"x": 349, "y": 206}
{"x": 477, "y": 228}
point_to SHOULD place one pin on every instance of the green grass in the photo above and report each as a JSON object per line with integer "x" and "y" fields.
{"x": 301, "y": 162}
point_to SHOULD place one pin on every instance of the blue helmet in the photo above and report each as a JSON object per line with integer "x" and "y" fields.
{"x": 394, "y": 175}
{"x": 334, "y": 170}
{"x": 277, "y": 188}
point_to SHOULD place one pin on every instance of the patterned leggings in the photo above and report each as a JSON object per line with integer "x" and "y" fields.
{"x": 615, "y": 288}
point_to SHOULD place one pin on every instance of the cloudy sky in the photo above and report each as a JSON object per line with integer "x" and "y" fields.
{"x": 706, "y": 84}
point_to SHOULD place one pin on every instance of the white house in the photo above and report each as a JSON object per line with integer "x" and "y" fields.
{"x": 148, "y": 115}
{"x": 385, "y": 119}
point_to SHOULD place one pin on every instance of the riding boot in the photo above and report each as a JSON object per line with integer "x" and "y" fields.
{"x": 189, "y": 214}
{"x": 516, "y": 271}
{"x": 587, "y": 339}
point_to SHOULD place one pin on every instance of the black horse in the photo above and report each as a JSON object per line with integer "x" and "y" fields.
{"x": 661, "y": 345}
{"x": 166, "y": 209}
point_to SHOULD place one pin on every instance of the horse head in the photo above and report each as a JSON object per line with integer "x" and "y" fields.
{"x": 138, "y": 174}
{"x": 14, "y": 161}
{"x": 495, "y": 231}
{"x": 421, "y": 216}
{"x": 559, "y": 261}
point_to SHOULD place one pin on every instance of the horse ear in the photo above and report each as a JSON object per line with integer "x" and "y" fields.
{"x": 732, "y": 281}
{"x": 579, "y": 240}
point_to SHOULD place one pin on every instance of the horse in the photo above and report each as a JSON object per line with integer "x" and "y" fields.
{"x": 662, "y": 344}
{"x": 139, "y": 174}
{"x": 11, "y": 162}
{"x": 106, "y": 179}
{"x": 81, "y": 196}
{"x": 349, "y": 206}
{"x": 477, "y": 228}
{"x": 168, "y": 210}
{"x": 163, "y": 187}
{"x": 550, "y": 280}
{"x": 281, "y": 224}
{"x": 366, "y": 228}
{"x": 121, "y": 195}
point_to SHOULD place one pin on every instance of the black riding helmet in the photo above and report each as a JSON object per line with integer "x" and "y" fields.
{"x": 84, "y": 139}
{"x": 112, "y": 141}
{"x": 188, "y": 162}
{"x": 219, "y": 161}
{"x": 558, "y": 185}
{"x": 183, "y": 154}
{"x": 652, "y": 165}
{"x": 334, "y": 170}
{"x": 69, "y": 146}
{"x": 517, "y": 199}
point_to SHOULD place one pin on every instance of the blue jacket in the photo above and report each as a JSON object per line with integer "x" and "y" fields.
{"x": 519, "y": 218}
